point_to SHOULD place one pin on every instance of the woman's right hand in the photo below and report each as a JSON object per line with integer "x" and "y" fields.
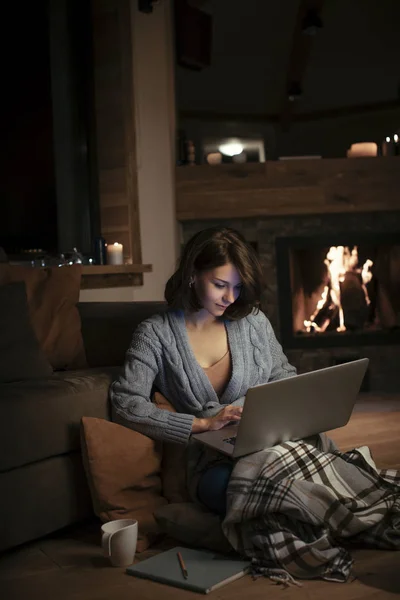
{"x": 225, "y": 416}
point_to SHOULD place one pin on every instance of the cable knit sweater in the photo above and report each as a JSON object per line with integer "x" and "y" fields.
{"x": 160, "y": 354}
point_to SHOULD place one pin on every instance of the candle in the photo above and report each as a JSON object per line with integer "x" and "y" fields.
{"x": 362, "y": 149}
{"x": 115, "y": 254}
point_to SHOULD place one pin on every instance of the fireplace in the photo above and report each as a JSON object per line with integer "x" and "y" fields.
{"x": 339, "y": 289}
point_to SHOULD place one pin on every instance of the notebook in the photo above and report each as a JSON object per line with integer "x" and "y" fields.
{"x": 291, "y": 409}
{"x": 206, "y": 570}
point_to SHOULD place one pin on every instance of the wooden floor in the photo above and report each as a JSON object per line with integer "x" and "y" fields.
{"x": 70, "y": 566}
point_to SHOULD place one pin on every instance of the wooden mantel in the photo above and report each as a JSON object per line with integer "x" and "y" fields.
{"x": 290, "y": 187}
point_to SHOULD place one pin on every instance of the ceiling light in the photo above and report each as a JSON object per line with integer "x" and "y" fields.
{"x": 396, "y": 138}
{"x": 312, "y": 22}
{"x": 388, "y": 139}
{"x": 231, "y": 148}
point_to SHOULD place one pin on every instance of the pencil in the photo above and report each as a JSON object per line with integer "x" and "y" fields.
{"x": 182, "y": 565}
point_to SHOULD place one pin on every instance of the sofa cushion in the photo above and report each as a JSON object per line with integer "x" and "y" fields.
{"x": 21, "y": 357}
{"x": 42, "y": 418}
{"x": 123, "y": 472}
{"x": 53, "y": 294}
{"x": 40, "y": 498}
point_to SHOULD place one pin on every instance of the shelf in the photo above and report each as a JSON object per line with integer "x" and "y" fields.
{"x": 115, "y": 269}
{"x": 105, "y": 276}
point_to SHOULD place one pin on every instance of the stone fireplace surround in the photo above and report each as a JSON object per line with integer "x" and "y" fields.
{"x": 384, "y": 368}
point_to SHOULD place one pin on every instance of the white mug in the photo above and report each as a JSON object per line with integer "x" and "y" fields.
{"x": 119, "y": 540}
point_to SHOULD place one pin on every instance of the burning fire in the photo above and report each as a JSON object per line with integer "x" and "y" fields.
{"x": 339, "y": 261}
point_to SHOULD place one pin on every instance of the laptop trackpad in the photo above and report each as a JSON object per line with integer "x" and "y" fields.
{"x": 226, "y": 435}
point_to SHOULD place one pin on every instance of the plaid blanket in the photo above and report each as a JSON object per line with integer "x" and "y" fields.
{"x": 292, "y": 506}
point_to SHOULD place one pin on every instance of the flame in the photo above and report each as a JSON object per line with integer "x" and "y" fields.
{"x": 339, "y": 260}
{"x": 311, "y": 325}
{"x": 366, "y": 277}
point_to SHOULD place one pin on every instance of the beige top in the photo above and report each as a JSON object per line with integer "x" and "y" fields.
{"x": 219, "y": 373}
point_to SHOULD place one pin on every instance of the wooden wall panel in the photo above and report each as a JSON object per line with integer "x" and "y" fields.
{"x": 114, "y": 216}
{"x": 115, "y": 134}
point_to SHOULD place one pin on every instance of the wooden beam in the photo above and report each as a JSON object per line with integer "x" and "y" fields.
{"x": 274, "y": 188}
{"x": 346, "y": 111}
{"x": 299, "y": 58}
{"x": 210, "y": 115}
{"x": 315, "y": 115}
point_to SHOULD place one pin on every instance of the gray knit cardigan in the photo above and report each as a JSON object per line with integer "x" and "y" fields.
{"x": 160, "y": 355}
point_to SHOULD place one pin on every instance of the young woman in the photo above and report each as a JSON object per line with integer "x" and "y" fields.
{"x": 203, "y": 353}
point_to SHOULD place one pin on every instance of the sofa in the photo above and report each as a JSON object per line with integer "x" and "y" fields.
{"x": 42, "y": 478}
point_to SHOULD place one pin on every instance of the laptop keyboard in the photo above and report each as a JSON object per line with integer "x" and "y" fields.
{"x": 230, "y": 440}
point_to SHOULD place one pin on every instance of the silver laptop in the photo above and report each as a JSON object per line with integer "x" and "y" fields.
{"x": 291, "y": 409}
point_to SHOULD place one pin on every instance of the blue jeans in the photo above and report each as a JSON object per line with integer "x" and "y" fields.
{"x": 211, "y": 489}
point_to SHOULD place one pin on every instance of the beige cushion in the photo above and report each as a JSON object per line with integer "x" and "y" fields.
{"x": 53, "y": 293}
{"x": 173, "y": 471}
{"x": 21, "y": 356}
{"x": 123, "y": 472}
{"x": 191, "y": 524}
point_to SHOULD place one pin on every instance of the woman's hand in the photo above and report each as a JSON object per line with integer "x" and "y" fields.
{"x": 225, "y": 416}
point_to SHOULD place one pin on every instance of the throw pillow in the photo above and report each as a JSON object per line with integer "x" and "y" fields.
{"x": 193, "y": 525}
{"x": 53, "y": 293}
{"x": 21, "y": 357}
{"x": 123, "y": 471}
{"x": 173, "y": 472}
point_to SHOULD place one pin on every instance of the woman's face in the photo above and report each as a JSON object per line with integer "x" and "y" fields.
{"x": 218, "y": 288}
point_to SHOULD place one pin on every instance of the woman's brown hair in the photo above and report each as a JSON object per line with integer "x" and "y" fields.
{"x": 209, "y": 249}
